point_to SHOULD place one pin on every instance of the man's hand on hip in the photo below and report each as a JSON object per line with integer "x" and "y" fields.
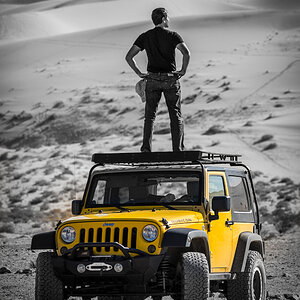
{"x": 179, "y": 73}
{"x": 142, "y": 75}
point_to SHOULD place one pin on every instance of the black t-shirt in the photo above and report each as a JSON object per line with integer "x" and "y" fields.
{"x": 160, "y": 45}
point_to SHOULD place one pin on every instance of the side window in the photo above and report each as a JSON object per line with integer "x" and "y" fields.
{"x": 238, "y": 194}
{"x": 216, "y": 186}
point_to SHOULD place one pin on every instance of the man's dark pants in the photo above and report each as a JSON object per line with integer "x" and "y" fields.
{"x": 168, "y": 84}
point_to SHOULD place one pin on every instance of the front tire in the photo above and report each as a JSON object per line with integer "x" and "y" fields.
{"x": 251, "y": 284}
{"x": 47, "y": 285}
{"x": 194, "y": 276}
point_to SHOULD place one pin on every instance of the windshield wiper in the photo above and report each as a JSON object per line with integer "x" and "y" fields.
{"x": 168, "y": 206}
{"x": 121, "y": 208}
{"x": 157, "y": 204}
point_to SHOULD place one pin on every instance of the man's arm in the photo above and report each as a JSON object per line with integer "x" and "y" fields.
{"x": 133, "y": 51}
{"x": 182, "y": 47}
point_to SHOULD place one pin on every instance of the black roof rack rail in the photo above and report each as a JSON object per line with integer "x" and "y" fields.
{"x": 136, "y": 158}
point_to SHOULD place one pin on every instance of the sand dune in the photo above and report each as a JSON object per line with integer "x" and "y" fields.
{"x": 66, "y": 16}
{"x": 63, "y": 16}
{"x": 268, "y": 4}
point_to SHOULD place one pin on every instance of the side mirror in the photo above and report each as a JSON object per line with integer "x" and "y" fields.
{"x": 219, "y": 204}
{"x": 76, "y": 207}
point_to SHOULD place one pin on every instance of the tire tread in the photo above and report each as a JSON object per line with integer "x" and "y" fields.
{"x": 47, "y": 285}
{"x": 195, "y": 276}
{"x": 240, "y": 288}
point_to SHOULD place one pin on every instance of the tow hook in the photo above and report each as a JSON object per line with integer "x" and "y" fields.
{"x": 99, "y": 266}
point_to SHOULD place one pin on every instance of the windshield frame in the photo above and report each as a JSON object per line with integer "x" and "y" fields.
{"x": 149, "y": 174}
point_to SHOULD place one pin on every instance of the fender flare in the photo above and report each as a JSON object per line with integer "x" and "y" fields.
{"x": 247, "y": 241}
{"x": 187, "y": 238}
{"x": 43, "y": 241}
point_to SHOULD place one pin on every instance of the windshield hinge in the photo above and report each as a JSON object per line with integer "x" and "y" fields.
{"x": 166, "y": 223}
{"x": 58, "y": 223}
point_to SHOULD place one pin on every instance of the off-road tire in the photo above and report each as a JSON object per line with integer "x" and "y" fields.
{"x": 47, "y": 285}
{"x": 194, "y": 277}
{"x": 251, "y": 284}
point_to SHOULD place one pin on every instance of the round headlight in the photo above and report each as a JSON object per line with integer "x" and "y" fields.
{"x": 68, "y": 234}
{"x": 150, "y": 233}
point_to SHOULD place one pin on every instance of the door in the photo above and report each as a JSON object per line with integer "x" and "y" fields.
{"x": 220, "y": 234}
{"x": 241, "y": 204}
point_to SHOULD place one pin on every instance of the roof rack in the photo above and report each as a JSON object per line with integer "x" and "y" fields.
{"x": 163, "y": 157}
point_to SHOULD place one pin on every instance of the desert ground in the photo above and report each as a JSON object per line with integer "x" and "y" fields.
{"x": 66, "y": 92}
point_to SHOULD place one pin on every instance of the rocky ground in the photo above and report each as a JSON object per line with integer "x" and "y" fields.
{"x": 282, "y": 261}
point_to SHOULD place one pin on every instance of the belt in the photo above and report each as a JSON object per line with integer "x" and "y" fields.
{"x": 161, "y": 74}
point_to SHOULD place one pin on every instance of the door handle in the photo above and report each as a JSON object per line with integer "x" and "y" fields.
{"x": 229, "y": 223}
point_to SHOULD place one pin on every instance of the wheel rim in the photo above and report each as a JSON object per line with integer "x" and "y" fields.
{"x": 257, "y": 285}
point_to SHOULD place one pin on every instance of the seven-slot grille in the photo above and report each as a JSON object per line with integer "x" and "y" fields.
{"x": 126, "y": 236}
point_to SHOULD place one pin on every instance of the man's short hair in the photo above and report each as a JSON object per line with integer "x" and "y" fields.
{"x": 158, "y": 14}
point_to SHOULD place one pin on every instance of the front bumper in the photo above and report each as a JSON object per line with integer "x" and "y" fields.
{"x": 100, "y": 269}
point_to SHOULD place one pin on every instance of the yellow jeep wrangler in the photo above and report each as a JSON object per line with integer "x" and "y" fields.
{"x": 182, "y": 224}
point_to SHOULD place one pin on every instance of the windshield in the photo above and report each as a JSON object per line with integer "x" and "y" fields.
{"x": 147, "y": 188}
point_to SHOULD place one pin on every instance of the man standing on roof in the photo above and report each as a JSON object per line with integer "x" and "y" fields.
{"x": 162, "y": 77}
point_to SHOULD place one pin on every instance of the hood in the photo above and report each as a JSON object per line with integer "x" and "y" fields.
{"x": 172, "y": 216}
